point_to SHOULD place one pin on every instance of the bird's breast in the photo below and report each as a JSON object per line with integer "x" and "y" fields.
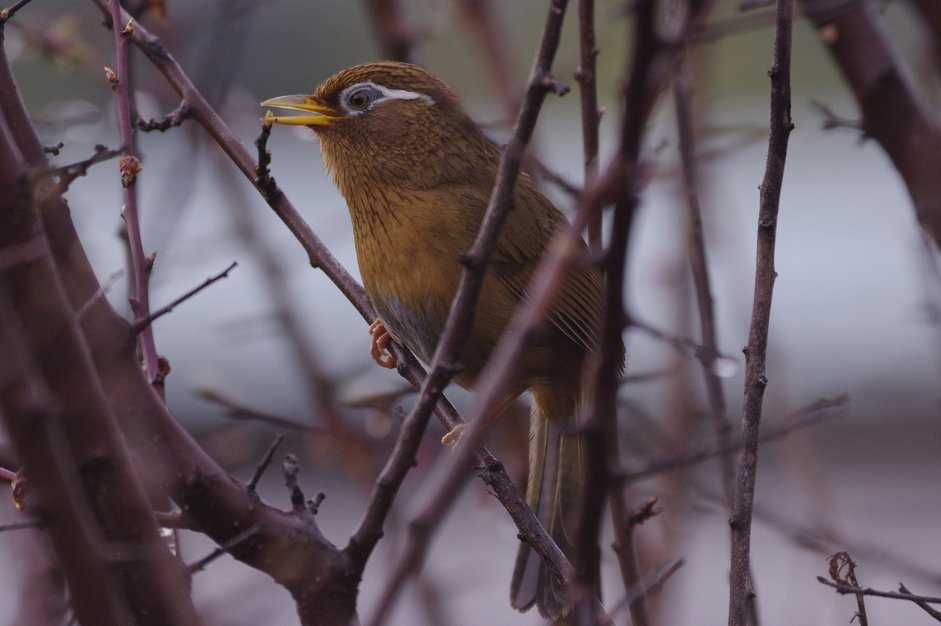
{"x": 410, "y": 272}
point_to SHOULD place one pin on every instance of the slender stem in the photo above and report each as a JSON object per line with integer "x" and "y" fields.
{"x": 130, "y": 168}
{"x": 869, "y": 591}
{"x": 591, "y": 116}
{"x": 142, "y": 325}
{"x": 601, "y": 429}
{"x": 756, "y": 379}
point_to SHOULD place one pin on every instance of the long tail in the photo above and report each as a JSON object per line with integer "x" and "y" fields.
{"x": 554, "y": 491}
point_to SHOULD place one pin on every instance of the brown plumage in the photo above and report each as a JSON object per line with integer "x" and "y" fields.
{"x": 417, "y": 174}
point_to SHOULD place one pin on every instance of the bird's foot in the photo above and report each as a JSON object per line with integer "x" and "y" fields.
{"x": 379, "y": 345}
{"x": 453, "y": 436}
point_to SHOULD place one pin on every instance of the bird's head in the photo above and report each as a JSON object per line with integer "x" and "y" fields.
{"x": 387, "y": 121}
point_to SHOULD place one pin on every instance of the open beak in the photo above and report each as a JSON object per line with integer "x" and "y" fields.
{"x": 317, "y": 113}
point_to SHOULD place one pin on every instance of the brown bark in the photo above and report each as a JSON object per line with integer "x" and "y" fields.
{"x": 892, "y": 108}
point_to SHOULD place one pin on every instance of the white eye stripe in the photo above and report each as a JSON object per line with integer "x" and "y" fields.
{"x": 387, "y": 94}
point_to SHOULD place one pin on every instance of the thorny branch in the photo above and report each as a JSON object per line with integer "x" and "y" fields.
{"x": 130, "y": 167}
{"x": 740, "y": 591}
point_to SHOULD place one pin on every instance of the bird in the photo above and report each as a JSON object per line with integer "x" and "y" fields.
{"x": 417, "y": 172}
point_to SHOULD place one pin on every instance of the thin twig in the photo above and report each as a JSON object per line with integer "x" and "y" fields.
{"x": 456, "y": 331}
{"x": 100, "y": 293}
{"x": 238, "y": 411}
{"x": 650, "y": 584}
{"x": 264, "y": 463}
{"x": 699, "y": 267}
{"x": 130, "y": 168}
{"x": 238, "y": 539}
{"x": 740, "y": 591}
{"x": 65, "y": 175}
{"x": 831, "y": 120}
{"x": 8, "y": 13}
{"x": 683, "y": 345}
{"x": 843, "y": 588}
{"x": 172, "y": 119}
{"x": 142, "y": 324}
{"x": 591, "y": 116}
{"x": 625, "y": 524}
{"x": 811, "y": 415}
{"x": 54, "y": 149}
{"x": 927, "y": 608}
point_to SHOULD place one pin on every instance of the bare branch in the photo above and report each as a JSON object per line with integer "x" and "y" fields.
{"x": 238, "y": 539}
{"x": 8, "y": 13}
{"x": 139, "y": 296}
{"x": 831, "y": 120}
{"x": 650, "y": 584}
{"x": 591, "y": 115}
{"x": 174, "y": 118}
{"x": 141, "y": 324}
{"x": 811, "y": 415}
{"x": 264, "y": 463}
{"x": 740, "y": 588}
{"x": 927, "y": 608}
{"x": 843, "y": 588}
{"x": 66, "y": 174}
{"x": 101, "y": 292}
{"x": 239, "y": 411}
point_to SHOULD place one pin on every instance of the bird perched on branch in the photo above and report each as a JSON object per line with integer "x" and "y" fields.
{"x": 417, "y": 173}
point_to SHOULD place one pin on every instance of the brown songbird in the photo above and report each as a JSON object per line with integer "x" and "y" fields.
{"x": 417, "y": 173}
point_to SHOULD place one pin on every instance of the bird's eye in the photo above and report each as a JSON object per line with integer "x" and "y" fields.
{"x": 360, "y": 99}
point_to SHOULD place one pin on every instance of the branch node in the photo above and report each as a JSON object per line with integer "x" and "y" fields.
{"x": 550, "y": 83}
{"x": 130, "y": 167}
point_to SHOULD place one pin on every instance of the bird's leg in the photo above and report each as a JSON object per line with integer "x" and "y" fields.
{"x": 379, "y": 345}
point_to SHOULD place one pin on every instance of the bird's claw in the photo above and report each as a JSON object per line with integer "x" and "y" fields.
{"x": 453, "y": 436}
{"x": 379, "y": 345}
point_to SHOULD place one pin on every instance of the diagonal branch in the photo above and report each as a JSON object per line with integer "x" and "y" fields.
{"x": 141, "y": 325}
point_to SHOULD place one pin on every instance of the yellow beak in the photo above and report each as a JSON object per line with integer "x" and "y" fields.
{"x": 318, "y": 113}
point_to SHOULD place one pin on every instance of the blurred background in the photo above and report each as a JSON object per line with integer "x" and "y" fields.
{"x": 857, "y": 303}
